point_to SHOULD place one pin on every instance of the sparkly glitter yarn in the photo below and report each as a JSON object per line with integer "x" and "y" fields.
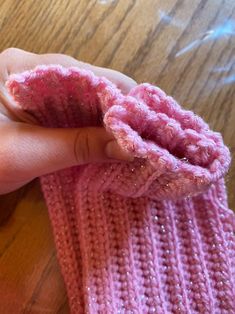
{"x": 150, "y": 236}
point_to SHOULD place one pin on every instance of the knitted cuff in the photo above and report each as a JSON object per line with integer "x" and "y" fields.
{"x": 176, "y": 153}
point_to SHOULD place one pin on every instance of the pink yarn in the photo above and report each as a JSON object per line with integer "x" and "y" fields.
{"x": 150, "y": 236}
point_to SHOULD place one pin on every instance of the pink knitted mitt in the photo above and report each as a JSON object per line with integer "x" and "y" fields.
{"x": 149, "y": 236}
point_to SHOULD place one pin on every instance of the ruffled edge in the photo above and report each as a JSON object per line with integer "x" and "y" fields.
{"x": 148, "y": 110}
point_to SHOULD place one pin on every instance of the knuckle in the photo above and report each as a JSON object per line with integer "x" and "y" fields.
{"x": 82, "y": 147}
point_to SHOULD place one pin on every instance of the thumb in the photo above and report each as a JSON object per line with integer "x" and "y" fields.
{"x": 28, "y": 151}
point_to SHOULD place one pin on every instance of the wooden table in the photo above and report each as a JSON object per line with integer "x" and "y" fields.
{"x": 185, "y": 47}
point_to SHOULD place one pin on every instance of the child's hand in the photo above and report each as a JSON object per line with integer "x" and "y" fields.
{"x": 27, "y": 150}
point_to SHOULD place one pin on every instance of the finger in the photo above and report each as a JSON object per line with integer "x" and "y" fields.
{"x": 29, "y": 151}
{"x": 16, "y": 60}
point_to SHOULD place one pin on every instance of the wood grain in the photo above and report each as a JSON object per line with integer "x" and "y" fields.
{"x": 185, "y": 47}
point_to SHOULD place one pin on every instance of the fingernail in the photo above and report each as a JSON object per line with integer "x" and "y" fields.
{"x": 114, "y": 151}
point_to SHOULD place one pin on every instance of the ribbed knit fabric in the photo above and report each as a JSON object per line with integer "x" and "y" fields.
{"x": 150, "y": 236}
